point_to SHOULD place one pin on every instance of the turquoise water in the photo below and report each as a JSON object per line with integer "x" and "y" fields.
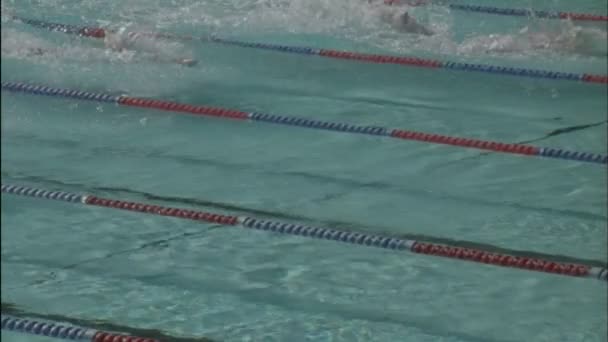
{"x": 231, "y": 284}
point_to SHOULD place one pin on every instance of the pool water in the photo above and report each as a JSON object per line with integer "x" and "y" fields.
{"x": 192, "y": 280}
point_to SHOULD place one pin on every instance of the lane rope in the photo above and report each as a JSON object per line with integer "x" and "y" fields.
{"x": 98, "y": 32}
{"x": 522, "y": 12}
{"x": 364, "y": 239}
{"x": 15, "y": 311}
{"x": 493, "y": 146}
{"x": 65, "y": 332}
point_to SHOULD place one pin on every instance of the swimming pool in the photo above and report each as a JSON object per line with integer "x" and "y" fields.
{"x": 190, "y": 279}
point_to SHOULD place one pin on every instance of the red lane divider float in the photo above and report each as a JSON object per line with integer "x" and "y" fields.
{"x": 364, "y": 239}
{"x": 183, "y": 108}
{"x": 97, "y": 32}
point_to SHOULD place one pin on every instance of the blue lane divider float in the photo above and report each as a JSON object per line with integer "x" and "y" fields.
{"x": 528, "y": 150}
{"x": 523, "y": 12}
{"x": 64, "y": 332}
{"x": 98, "y": 32}
{"x": 39, "y": 193}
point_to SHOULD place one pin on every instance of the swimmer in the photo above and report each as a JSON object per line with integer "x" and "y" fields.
{"x": 568, "y": 39}
{"x": 402, "y": 21}
{"x": 408, "y": 24}
{"x": 122, "y": 41}
{"x": 36, "y": 52}
{"x": 574, "y": 40}
{"x": 405, "y": 23}
{"x": 14, "y": 47}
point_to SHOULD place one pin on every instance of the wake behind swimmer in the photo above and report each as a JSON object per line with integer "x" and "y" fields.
{"x": 117, "y": 43}
{"x": 566, "y": 39}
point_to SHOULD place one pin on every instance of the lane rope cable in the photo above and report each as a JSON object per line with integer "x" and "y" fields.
{"x": 519, "y": 12}
{"x": 523, "y": 12}
{"x": 519, "y": 149}
{"x": 363, "y": 239}
{"x": 65, "y": 332}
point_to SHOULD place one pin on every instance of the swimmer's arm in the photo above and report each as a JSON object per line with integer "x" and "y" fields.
{"x": 406, "y": 23}
{"x": 182, "y": 61}
{"x": 403, "y": 2}
{"x": 186, "y": 61}
{"x": 416, "y": 29}
{"x": 425, "y": 31}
